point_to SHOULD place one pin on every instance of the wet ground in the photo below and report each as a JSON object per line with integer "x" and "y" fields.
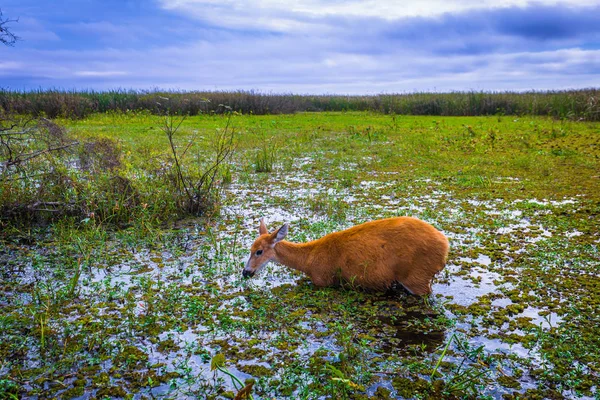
{"x": 513, "y": 315}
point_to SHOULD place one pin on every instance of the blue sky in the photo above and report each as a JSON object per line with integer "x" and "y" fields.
{"x": 310, "y": 46}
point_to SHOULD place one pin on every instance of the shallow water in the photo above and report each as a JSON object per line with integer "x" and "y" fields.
{"x": 473, "y": 296}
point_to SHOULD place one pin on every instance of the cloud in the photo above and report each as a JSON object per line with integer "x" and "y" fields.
{"x": 544, "y": 23}
{"x": 479, "y": 28}
{"x": 280, "y": 13}
{"x": 32, "y": 30}
{"x": 100, "y": 74}
{"x": 282, "y": 64}
{"x": 10, "y": 66}
{"x": 506, "y": 30}
{"x": 362, "y": 47}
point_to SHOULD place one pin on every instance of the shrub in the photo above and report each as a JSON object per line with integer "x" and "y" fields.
{"x": 46, "y": 175}
{"x": 196, "y": 187}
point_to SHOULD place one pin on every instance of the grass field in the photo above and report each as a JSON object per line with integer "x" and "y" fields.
{"x": 156, "y": 307}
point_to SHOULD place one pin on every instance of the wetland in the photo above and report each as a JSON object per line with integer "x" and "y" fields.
{"x": 157, "y": 307}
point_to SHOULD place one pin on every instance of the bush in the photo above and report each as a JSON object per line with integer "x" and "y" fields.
{"x": 196, "y": 189}
{"x": 46, "y": 175}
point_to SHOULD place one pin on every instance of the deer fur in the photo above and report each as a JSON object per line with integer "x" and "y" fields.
{"x": 372, "y": 255}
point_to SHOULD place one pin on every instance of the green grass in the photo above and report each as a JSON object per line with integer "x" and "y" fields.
{"x": 451, "y": 146}
{"x": 142, "y": 309}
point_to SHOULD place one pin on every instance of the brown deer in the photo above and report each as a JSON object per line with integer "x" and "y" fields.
{"x": 372, "y": 255}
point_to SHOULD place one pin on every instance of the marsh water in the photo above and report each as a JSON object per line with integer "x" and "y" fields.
{"x": 513, "y": 315}
{"x": 278, "y": 329}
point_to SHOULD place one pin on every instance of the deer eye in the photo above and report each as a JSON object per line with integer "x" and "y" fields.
{"x": 258, "y": 253}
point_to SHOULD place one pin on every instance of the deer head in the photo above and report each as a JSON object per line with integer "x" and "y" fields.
{"x": 263, "y": 249}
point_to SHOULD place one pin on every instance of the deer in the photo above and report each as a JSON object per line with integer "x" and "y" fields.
{"x": 373, "y": 255}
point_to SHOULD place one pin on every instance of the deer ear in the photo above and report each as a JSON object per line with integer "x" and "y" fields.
{"x": 262, "y": 229}
{"x": 281, "y": 233}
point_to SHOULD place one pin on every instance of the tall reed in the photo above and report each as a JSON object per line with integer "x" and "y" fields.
{"x": 573, "y": 104}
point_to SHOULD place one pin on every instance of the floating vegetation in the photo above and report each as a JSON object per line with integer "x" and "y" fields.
{"x": 89, "y": 312}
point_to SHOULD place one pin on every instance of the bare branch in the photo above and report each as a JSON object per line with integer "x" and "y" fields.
{"x": 170, "y": 131}
{"x": 26, "y": 157}
{"x": 6, "y": 36}
{"x": 198, "y": 192}
{"x": 22, "y": 140}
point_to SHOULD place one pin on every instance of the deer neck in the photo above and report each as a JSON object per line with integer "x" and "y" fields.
{"x": 293, "y": 255}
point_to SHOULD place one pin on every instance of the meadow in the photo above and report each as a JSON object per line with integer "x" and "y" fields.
{"x": 118, "y": 285}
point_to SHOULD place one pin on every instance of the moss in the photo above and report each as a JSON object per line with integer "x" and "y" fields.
{"x": 585, "y": 387}
{"x": 166, "y": 377}
{"x": 509, "y": 382}
{"x": 112, "y": 392}
{"x": 40, "y": 381}
{"x": 438, "y": 387}
{"x": 79, "y": 382}
{"x": 251, "y": 353}
{"x": 408, "y": 388}
{"x": 514, "y": 309}
{"x": 167, "y": 345}
{"x": 256, "y": 370}
{"x": 382, "y": 394}
{"x": 522, "y": 323}
{"x": 458, "y": 309}
{"x": 90, "y": 370}
{"x": 73, "y": 392}
{"x": 478, "y": 309}
{"x": 131, "y": 356}
{"x": 101, "y": 379}
{"x": 285, "y": 346}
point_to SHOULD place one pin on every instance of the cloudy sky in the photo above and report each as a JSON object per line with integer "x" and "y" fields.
{"x": 303, "y": 46}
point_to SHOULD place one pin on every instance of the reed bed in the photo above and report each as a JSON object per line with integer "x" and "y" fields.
{"x": 568, "y": 104}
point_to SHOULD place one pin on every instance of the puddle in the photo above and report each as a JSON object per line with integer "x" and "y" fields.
{"x": 466, "y": 291}
{"x": 481, "y": 259}
{"x": 498, "y": 346}
{"x": 540, "y": 317}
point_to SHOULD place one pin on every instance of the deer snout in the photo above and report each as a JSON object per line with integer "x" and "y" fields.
{"x": 248, "y": 271}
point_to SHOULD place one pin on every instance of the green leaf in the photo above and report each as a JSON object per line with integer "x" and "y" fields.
{"x": 217, "y": 361}
{"x": 335, "y": 371}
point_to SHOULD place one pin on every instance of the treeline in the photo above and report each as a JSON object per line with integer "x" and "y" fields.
{"x": 573, "y": 104}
